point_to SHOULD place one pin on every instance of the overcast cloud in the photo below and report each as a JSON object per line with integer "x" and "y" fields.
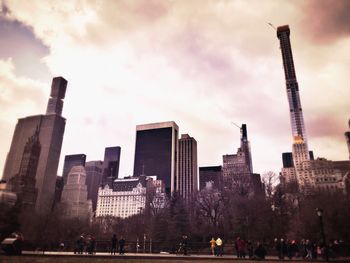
{"x": 203, "y": 64}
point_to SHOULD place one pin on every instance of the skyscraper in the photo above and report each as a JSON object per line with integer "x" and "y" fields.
{"x": 300, "y": 147}
{"x": 156, "y": 152}
{"x": 50, "y": 129}
{"x": 239, "y": 164}
{"x": 70, "y": 161}
{"x": 75, "y": 194}
{"x": 93, "y": 180}
{"x": 187, "y": 179}
{"x": 296, "y": 113}
{"x": 111, "y": 164}
{"x": 23, "y": 183}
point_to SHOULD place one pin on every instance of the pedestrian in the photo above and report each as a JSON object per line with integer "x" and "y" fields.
{"x": 241, "y": 248}
{"x": 212, "y": 246}
{"x": 92, "y": 245}
{"x": 219, "y": 250}
{"x": 250, "y": 248}
{"x": 260, "y": 252}
{"x": 80, "y": 244}
{"x": 184, "y": 244}
{"x": 114, "y": 242}
{"x": 121, "y": 246}
{"x": 308, "y": 247}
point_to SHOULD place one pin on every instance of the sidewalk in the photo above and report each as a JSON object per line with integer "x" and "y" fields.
{"x": 169, "y": 256}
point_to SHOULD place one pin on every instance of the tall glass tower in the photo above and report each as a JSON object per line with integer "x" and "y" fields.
{"x": 296, "y": 112}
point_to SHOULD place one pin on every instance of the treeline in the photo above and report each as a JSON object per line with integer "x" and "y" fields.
{"x": 279, "y": 213}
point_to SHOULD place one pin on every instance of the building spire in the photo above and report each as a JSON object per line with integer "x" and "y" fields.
{"x": 58, "y": 91}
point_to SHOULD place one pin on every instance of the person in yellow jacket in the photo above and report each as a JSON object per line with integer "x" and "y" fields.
{"x": 219, "y": 247}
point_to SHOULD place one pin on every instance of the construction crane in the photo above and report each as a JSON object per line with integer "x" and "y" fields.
{"x": 236, "y": 125}
{"x": 271, "y": 25}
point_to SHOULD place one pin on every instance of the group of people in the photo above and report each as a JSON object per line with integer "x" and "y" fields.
{"x": 216, "y": 246}
{"x": 85, "y": 244}
{"x": 114, "y": 245}
{"x": 241, "y": 246}
{"x": 305, "y": 249}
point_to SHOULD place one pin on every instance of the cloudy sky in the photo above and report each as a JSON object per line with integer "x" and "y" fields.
{"x": 203, "y": 64}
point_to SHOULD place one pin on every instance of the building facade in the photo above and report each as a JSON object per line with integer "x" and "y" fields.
{"x": 23, "y": 183}
{"x": 187, "y": 178}
{"x": 210, "y": 175}
{"x": 50, "y": 129}
{"x": 237, "y": 168}
{"x": 75, "y": 195}
{"x": 127, "y": 197}
{"x": 156, "y": 152}
{"x": 94, "y": 171}
{"x": 70, "y": 161}
{"x": 111, "y": 164}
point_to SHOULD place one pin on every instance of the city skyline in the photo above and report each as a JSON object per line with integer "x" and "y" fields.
{"x": 204, "y": 73}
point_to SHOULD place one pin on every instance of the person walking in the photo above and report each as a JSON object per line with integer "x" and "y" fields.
{"x": 219, "y": 251}
{"x": 114, "y": 242}
{"x": 212, "y": 246}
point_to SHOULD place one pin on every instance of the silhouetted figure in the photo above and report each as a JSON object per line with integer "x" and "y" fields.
{"x": 250, "y": 248}
{"x": 79, "y": 245}
{"x": 121, "y": 246}
{"x": 114, "y": 242}
{"x": 260, "y": 252}
{"x": 184, "y": 244}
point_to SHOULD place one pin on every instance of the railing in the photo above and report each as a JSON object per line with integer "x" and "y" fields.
{"x": 149, "y": 246}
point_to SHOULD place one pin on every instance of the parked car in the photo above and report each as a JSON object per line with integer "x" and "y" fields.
{"x": 12, "y": 245}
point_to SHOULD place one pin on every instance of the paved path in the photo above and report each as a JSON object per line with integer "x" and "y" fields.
{"x": 166, "y": 255}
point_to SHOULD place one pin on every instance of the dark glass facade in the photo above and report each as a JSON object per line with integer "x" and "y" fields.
{"x": 153, "y": 154}
{"x": 111, "y": 164}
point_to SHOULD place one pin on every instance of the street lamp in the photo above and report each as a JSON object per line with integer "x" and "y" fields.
{"x": 320, "y": 216}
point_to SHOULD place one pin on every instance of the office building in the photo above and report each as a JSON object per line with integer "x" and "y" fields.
{"x": 111, "y": 164}
{"x": 296, "y": 113}
{"x": 156, "y": 152}
{"x": 75, "y": 195}
{"x": 187, "y": 179}
{"x": 238, "y": 165}
{"x": 300, "y": 146}
{"x": 210, "y": 175}
{"x": 93, "y": 180}
{"x": 50, "y": 129}
{"x": 23, "y": 183}
{"x": 70, "y": 161}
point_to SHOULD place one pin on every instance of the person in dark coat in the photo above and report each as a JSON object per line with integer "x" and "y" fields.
{"x": 121, "y": 246}
{"x": 184, "y": 243}
{"x": 260, "y": 252}
{"x": 114, "y": 242}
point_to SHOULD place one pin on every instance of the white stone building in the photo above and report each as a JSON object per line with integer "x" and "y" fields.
{"x": 126, "y": 198}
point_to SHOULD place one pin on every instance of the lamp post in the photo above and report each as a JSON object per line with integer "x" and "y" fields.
{"x": 320, "y": 216}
